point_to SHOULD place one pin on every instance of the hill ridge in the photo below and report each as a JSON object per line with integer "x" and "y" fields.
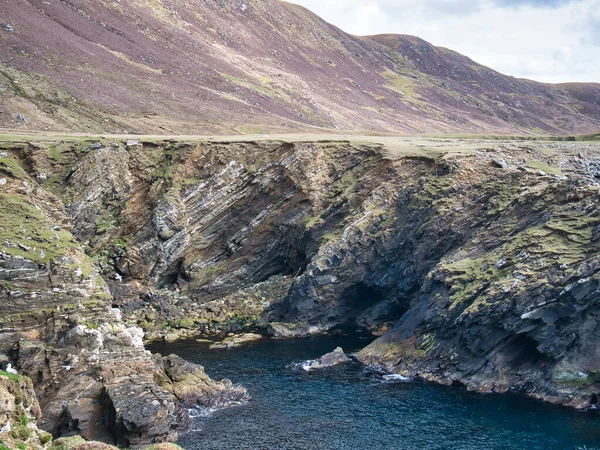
{"x": 232, "y": 67}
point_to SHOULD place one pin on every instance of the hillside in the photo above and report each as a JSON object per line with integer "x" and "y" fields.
{"x": 233, "y": 67}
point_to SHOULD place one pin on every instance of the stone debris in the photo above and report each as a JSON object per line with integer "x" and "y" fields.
{"x": 500, "y": 163}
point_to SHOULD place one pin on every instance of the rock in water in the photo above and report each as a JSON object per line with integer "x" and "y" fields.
{"x": 236, "y": 340}
{"x": 193, "y": 387}
{"x": 334, "y": 358}
{"x": 328, "y": 360}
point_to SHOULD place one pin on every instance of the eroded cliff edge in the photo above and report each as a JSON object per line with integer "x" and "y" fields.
{"x": 478, "y": 262}
{"x": 90, "y": 370}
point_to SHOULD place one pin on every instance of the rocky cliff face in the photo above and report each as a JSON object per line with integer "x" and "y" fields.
{"x": 90, "y": 371}
{"x": 477, "y": 262}
{"x": 19, "y": 412}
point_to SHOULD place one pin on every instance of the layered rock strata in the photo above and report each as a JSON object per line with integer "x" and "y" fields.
{"x": 479, "y": 265}
{"x": 90, "y": 370}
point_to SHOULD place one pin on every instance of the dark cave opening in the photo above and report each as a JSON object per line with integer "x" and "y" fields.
{"x": 524, "y": 351}
{"x": 174, "y": 277}
{"x": 360, "y": 297}
{"x": 368, "y": 305}
{"x": 291, "y": 264}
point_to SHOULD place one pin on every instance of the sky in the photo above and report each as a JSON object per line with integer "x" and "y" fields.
{"x": 552, "y": 41}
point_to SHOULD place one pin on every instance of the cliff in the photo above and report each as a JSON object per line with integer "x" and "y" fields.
{"x": 90, "y": 371}
{"x": 476, "y": 261}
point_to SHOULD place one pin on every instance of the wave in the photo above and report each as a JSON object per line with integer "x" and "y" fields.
{"x": 200, "y": 411}
{"x": 307, "y": 366}
{"x": 396, "y": 377}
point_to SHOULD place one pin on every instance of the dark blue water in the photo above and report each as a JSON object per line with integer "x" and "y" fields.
{"x": 351, "y": 408}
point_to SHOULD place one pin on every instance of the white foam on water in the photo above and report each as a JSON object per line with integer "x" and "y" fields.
{"x": 200, "y": 411}
{"x": 307, "y": 365}
{"x": 396, "y": 377}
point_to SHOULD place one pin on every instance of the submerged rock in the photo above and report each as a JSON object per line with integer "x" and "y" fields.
{"x": 236, "y": 340}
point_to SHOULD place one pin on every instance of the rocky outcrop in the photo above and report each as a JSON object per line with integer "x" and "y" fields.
{"x": 19, "y": 410}
{"x": 78, "y": 443}
{"x": 327, "y": 361}
{"x": 194, "y": 388}
{"x": 477, "y": 273}
{"x": 335, "y": 358}
{"x": 90, "y": 370}
{"x": 210, "y": 235}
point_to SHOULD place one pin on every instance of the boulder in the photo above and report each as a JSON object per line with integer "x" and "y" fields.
{"x": 333, "y": 359}
{"x": 326, "y": 361}
{"x": 193, "y": 387}
{"x": 500, "y": 163}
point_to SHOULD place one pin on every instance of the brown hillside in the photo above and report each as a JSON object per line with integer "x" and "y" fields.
{"x": 233, "y": 66}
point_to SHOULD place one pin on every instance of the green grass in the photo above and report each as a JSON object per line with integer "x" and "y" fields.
{"x": 105, "y": 225}
{"x": 23, "y": 223}
{"x": 543, "y": 166}
{"x": 67, "y": 443}
{"x": 20, "y": 432}
{"x": 10, "y": 376}
{"x": 55, "y": 154}
{"x": 91, "y": 325}
{"x": 12, "y": 169}
{"x": 164, "y": 446}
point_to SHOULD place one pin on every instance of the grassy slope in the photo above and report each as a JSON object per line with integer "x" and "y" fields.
{"x": 216, "y": 68}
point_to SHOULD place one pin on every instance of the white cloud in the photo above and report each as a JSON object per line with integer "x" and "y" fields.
{"x": 546, "y": 40}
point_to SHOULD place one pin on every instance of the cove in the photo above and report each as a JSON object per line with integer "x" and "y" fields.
{"x": 350, "y": 407}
